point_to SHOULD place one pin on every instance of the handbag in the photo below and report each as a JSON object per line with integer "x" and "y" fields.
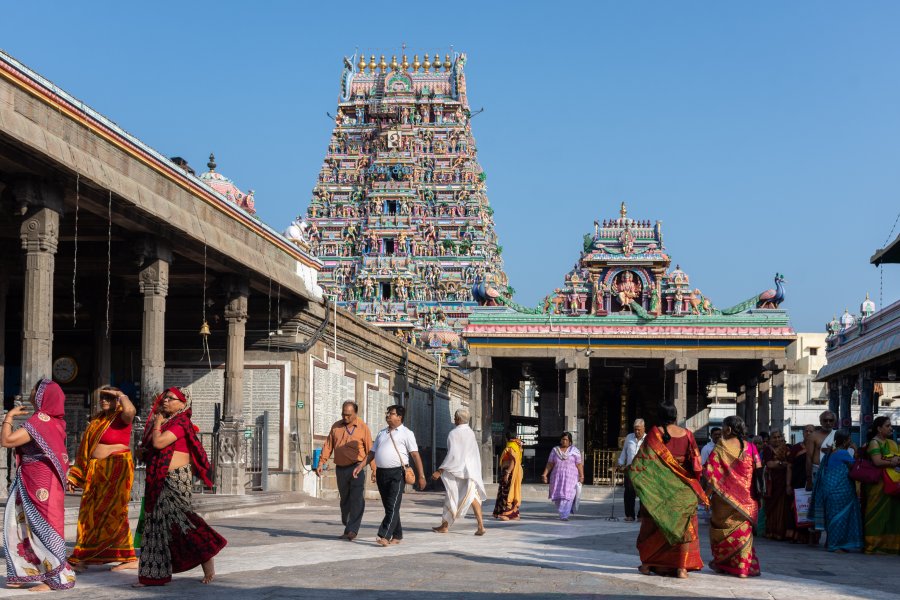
{"x": 802, "y": 498}
{"x": 864, "y": 471}
{"x": 758, "y": 485}
{"x": 408, "y": 474}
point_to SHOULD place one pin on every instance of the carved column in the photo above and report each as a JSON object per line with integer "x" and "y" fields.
{"x": 679, "y": 368}
{"x": 867, "y": 406}
{"x": 154, "y": 285}
{"x": 740, "y": 408}
{"x": 848, "y": 384}
{"x": 480, "y": 407}
{"x": 750, "y": 409}
{"x": 834, "y": 395}
{"x": 39, "y": 233}
{"x": 230, "y": 472}
{"x": 777, "y": 396}
{"x": 764, "y": 397}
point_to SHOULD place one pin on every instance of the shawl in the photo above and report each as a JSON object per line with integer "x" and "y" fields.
{"x": 47, "y": 426}
{"x": 158, "y": 459}
{"x": 463, "y": 459}
{"x": 667, "y": 491}
{"x": 731, "y": 477}
{"x": 95, "y": 430}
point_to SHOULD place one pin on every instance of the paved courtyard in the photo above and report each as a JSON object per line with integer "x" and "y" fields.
{"x": 294, "y": 553}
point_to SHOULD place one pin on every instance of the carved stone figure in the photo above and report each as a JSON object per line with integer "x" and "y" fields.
{"x": 627, "y": 290}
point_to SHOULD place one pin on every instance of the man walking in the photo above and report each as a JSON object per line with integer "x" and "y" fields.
{"x": 394, "y": 446}
{"x": 461, "y": 475}
{"x": 633, "y": 442}
{"x": 715, "y": 434}
{"x": 351, "y": 441}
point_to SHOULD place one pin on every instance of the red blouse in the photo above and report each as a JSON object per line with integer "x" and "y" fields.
{"x": 118, "y": 432}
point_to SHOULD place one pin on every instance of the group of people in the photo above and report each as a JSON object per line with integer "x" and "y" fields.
{"x": 172, "y": 538}
{"x": 854, "y": 515}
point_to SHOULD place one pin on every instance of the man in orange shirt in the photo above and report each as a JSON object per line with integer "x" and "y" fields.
{"x": 351, "y": 441}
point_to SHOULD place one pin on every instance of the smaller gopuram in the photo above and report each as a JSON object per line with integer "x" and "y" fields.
{"x": 399, "y": 215}
{"x": 623, "y": 333}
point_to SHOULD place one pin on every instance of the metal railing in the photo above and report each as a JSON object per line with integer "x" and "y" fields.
{"x": 605, "y": 463}
{"x": 256, "y": 454}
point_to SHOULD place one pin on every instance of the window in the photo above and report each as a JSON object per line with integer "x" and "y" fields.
{"x": 813, "y": 351}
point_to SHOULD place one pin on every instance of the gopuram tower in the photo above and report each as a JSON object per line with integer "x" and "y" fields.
{"x": 399, "y": 215}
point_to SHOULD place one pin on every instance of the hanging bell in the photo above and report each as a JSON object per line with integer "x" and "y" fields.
{"x": 204, "y": 329}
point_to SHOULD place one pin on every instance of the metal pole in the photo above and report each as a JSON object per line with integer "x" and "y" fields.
{"x": 264, "y": 443}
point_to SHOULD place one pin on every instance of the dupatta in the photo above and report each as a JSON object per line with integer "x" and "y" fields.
{"x": 731, "y": 477}
{"x": 667, "y": 491}
{"x": 47, "y": 427}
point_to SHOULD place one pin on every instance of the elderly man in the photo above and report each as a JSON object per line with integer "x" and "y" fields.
{"x": 394, "y": 446}
{"x": 819, "y": 444}
{"x": 633, "y": 442}
{"x": 461, "y": 475}
{"x": 350, "y": 440}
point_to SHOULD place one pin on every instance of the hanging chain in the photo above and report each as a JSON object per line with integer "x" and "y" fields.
{"x": 75, "y": 253}
{"x": 204, "y": 282}
{"x": 108, "y": 259}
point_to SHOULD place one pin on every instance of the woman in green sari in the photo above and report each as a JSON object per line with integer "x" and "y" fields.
{"x": 882, "y": 510}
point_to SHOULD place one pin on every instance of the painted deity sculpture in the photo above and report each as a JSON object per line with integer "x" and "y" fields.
{"x": 627, "y": 289}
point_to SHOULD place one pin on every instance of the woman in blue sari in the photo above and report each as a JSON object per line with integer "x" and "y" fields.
{"x": 836, "y": 493}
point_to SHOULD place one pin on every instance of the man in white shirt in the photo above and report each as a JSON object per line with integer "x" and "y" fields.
{"x": 393, "y": 447}
{"x": 633, "y": 442}
{"x": 461, "y": 475}
{"x": 715, "y": 434}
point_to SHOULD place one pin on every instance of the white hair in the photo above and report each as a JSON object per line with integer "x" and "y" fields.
{"x": 462, "y": 415}
{"x": 638, "y": 422}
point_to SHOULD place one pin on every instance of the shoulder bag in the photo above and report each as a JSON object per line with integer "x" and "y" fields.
{"x": 864, "y": 470}
{"x": 408, "y": 474}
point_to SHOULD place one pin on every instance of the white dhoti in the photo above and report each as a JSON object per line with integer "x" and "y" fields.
{"x": 461, "y": 474}
{"x": 460, "y": 494}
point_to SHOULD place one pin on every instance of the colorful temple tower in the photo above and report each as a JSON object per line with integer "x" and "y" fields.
{"x": 399, "y": 215}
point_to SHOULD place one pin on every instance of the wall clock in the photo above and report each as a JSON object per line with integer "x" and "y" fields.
{"x": 65, "y": 369}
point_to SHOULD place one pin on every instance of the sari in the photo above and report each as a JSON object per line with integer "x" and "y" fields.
{"x": 34, "y": 520}
{"x": 104, "y": 534}
{"x": 734, "y": 510}
{"x": 777, "y": 504}
{"x": 797, "y": 457}
{"x": 174, "y": 538}
{"x": 664, "y": 476}
{"x": 509, "y": 492}
{"x": 836, "y": 493}
{"x": 882, "y": 514}
{"x": 564, "y": 478}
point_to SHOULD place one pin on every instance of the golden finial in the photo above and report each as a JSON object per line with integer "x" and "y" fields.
{"x": 437, "y": 62}
{"x": 372, "y": 64}
{"x": 362, "y": 63}
{"x": 447, "y": 64}
{"x": 416, "y": 63}
{"x": 427, "y": 64}
{"x": 394, "y": 65}
{"x": 405, "y": 64}
{"x": 382, "y": 65}
{"x": 623, "y": 211}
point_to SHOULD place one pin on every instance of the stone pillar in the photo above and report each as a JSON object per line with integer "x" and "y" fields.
{"x": 848, "y": 384}
{"x": 4, "y": 290}
{"x": 679, "y": 368}
{"x": 777, "y": 396}
{"x": 39, "y": 233}
{"x": 230, "y": 471}
{"x": 740, "y": 408}
{"x": 574, "y": 367}
{"x": 867, "y": 406}
{"x": 153, "y": 283}
{"x": 750, "y": 419}
{"x": 834, "y": 395}
{"x": 763, "y": 399}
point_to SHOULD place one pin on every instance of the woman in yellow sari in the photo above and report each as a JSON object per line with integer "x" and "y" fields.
{"x": 882, "y": 510}
{"x": 509, "y": 490}
{"x": 733, "y": 509}
{"x": 104, "y": 469}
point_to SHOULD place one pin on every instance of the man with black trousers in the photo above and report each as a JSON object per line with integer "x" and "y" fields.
{"x": 394, "y": 446}
{"x": 633, "y": 442}
{"x": 351, "y": 441}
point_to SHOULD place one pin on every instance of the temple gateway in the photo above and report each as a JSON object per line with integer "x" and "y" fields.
{"x": 623, "y": 332}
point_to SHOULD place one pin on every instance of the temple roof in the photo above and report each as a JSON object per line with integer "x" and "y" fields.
{"x": 226, "y": 187}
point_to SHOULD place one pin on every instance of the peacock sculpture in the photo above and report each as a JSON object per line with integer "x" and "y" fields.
{"x": 772, "y": 298}
{"x": 483, "y": 293}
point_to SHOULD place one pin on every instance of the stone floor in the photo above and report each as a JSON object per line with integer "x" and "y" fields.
{"x": 294, "y": 553}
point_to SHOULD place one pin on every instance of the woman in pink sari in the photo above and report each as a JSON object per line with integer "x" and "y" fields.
{"x": 733, "y": 509}
{"x": 33, "y": 526}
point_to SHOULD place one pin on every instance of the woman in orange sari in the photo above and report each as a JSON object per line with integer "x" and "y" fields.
{"x": 729, "y": 473}
{"x": 665, "y": 475}
{"x": 104, "y": 469}
{"x": 509, "y": 490}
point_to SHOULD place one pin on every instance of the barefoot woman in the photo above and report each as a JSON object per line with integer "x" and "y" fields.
{"x": 175, "y": 539}
{"x": 104, "y": 469}
{"x": 33, "y": 527}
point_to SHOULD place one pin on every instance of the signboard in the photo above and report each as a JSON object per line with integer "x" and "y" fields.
{"x": 332, "y": 385}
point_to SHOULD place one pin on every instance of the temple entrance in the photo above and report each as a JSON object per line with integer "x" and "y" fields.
{"x": 616, "y": 392}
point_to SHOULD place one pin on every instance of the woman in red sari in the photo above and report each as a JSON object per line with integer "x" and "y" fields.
{"x": 34, "y": 523}
{"x": 665, "y": 474}
{"x": 729, "y": 475}
{"x": 174, "y": 539}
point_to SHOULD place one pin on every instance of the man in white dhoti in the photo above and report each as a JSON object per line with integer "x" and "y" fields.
{"x": 461, "y": 475}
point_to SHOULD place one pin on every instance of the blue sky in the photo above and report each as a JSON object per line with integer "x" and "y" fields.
{"x": 765, "y": 135}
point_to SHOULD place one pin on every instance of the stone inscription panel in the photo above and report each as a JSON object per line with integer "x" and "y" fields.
{"x": 331, "y": 387}
{"x": 377, "y": 401}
